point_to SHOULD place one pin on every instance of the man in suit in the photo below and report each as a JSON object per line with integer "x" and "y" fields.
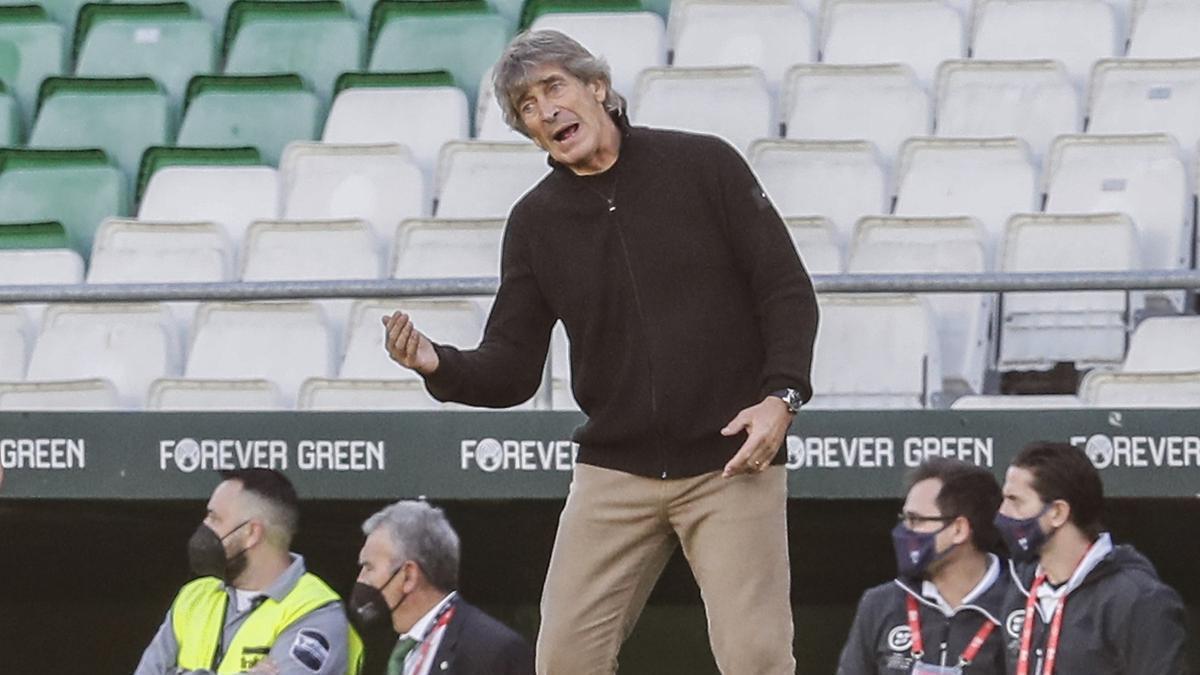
{"x": 408, "y": 571}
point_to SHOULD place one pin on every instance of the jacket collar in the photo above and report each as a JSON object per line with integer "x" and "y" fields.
{"x": 986, "y": 598}
{"x": 284, "y": 583}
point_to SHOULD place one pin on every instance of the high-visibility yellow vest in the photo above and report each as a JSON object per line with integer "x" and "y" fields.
{"x": 198, "y": 619}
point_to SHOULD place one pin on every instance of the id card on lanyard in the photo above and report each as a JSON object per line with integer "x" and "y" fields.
{"x": 1027, "y": 631}
{"x": 918, "y": 644}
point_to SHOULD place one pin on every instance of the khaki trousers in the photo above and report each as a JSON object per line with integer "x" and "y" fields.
{"x": 616, "y": 534}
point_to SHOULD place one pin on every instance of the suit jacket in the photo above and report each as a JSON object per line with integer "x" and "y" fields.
{"x": 476, "y": 644}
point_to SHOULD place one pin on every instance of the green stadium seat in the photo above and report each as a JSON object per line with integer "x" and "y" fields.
{"x": 169, "y": 42}
{"x": 535, "y": 8}
{"x": 266, "y": 112}
{"x": 10, "y": 118}
{"x": 77, "y": 188}
{"x": 464, "y": 37}
{"x": 39, "y": 43}
{"x": 122, "y": 116}
{"x": 317, "y": 40}
{"x": 160, "y": 157}
{"x": 32, "y": 235}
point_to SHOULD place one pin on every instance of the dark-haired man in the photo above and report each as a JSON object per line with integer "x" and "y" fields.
{"x": 254, "y": 607}
{"x": 941, "y": 613}
{"x": 1078, "y": 603}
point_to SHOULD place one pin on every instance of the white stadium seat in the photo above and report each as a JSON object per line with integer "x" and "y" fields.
{"x": 1014, "y": 402}
{"x": 839, "y": 180}
{"x": 1039, "y": 330}
{"x": 477, "y": 179}
{"x": 892, "y": 245}
{"x": 1164, "y": 344}
{"x": 562, "y": 397}
{"x": 986, "y": 179}
{"x": 380, "y": 184}
{"x": 233, "y": 196}
{"x": 14, "y": 343}
{"x": 489, "y": 119}
{"x": 771, "y": 35}
{"x": 426, "y": 249}
{"x": 1102, "y": 389}
{"x": 919, "y": 33}
{"x": 285, "y": 343}
{"x": 40, "y": 266}
{"x": 421, "y": 118}
{"x": 1032, "y": 100}
{"x": 881, "y": 104}
{"x": 1165, "y": 30}
{"x": 817, "y": 242}
{"x": 733, "y": 103}
{"x": 1131, "y": 97}
{"x": 367, "y": 395}
{"x": 128, "y": 345}
{"x": 177, "y": 394}
{"x": 628, "y": 41}
{"x": 134, "y": 251}
{"x": 896, "y": 364}
{"x": 1075, "y": 32}
{"x": 81, "y": 395}
{"x": 451, "y": 321}
{"x": 310, "y": 251}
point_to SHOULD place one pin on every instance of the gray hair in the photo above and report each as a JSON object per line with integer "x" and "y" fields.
{"x": 531, "y": 50}
{"x": 421, "y": 533}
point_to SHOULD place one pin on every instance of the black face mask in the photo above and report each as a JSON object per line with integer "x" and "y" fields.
{"x": 206, "y": 555}
{"x": 368, "y": 606}
{"x": 1024, "y": 537}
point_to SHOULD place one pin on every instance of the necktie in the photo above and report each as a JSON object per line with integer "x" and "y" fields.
{"x": 399, "y": 653}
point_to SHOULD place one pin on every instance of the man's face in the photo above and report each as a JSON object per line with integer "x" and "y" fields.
{"x": 225, "y": 513}
{"x": 1020, "y": 499}
{"x": 923, "y": 515}
{"x": 564, "y": 115}
{"x": 376, "y": 565}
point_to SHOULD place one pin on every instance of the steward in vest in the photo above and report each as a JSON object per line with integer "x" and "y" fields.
{"x": 254, "y": 608}
{"x": 1079, "y": 605}
{"x": 942, "y": 612}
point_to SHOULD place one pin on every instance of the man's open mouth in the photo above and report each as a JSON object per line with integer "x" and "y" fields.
{"x": 566, "y": 132}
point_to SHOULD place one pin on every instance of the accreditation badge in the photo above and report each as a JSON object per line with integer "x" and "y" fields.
{"x": 927, "y": 669}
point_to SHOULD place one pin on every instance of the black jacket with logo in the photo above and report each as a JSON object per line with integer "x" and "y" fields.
{"x": 880, "y": 642}
{"x": 1121, "y": 620}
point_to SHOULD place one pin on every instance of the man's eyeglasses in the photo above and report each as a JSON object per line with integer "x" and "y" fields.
{"x": 912, "y": 520}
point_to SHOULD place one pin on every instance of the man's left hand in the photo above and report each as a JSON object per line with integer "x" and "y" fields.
{"x": 765, "y": 425}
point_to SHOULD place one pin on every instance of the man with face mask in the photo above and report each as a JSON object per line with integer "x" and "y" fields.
{"x": 941, "y": 613}
{"x": 1078, "y": 603}
{"x": 254, "y": 608}
{"x": 408, "y": 577}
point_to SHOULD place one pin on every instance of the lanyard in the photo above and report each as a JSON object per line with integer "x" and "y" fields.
{"x": 444, "y": 617}
{"x": 918, "y": 642}
{"x": 1027, "y": 631}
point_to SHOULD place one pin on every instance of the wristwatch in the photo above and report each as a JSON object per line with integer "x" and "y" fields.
{"x": 791, "y": 397}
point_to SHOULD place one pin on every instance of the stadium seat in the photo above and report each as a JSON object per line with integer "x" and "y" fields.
{"x": 177, "y": 394}
{"x": 128, "y": 345}
{"x": 816, "y": 240}
{"x": 62, "y": 12}
{"x": 1165, "y": 30}
{"x": 892, "y": 245}
{"x": 379, "y": 184}
{"x": 75, "y": 188}
{"x": 81, "y": 395}
{"x": 1039, "y": 330}
{"x": 14, "y": 343}
{"x": 628, "y": 41}
{"x": 1032, "y": 100}
{"x": 285, "y": 343}
{"x": 464, "y": 37}
{"x": 316, "y": 39}
{"x": 839, "y": 180}
{"x": 310, "y": 251}
{"x": 1075, "y": 32}
{"x": 1130, "y": 97}
{"x": 489, "y": 120}
{"x": 122, "y": 116}
{"x": 135, "y": 251}
{"x": 531, "y": 10}
{"x": 429, "y": 249}
{"x": 456, "y": 322}
{"x": 561, "y": 395}
{"x": 41, "y": 52}
{"x": 10, "y": 116}
{"x": 169, "y": 42}
{"x": 478, "y": 179}
{"x": 988, "y": 179}
{"x": 919, "y": 33}
{"x": 1102, "y": 389}
{"x": 1164, "y": 344}
{"x": 32, "y": 236}
{"x": 394, "y": 109}
{"x": 896, "y": 364}
{"x": 733, "y": 103}
{"x": 772, "y": 35}
{"x": 366, "y": 395}
{"x": 1025, "y": 402}
{"x": 232, "y": 196}
{"x": 1143, "y": 176}
{"x": 266, "y": 112}
{"x": 881, "y": 104}
{"x": 40, "y": 266}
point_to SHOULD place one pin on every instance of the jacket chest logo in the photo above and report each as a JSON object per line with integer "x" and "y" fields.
{"x": 899, "y": 639}
{"x": 1014, "y": 623}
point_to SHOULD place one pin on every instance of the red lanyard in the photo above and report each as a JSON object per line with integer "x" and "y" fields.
{"x": 918, "y": 642}
{"x": 1027, "y": 631}
{"x": 426, "y": 643}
